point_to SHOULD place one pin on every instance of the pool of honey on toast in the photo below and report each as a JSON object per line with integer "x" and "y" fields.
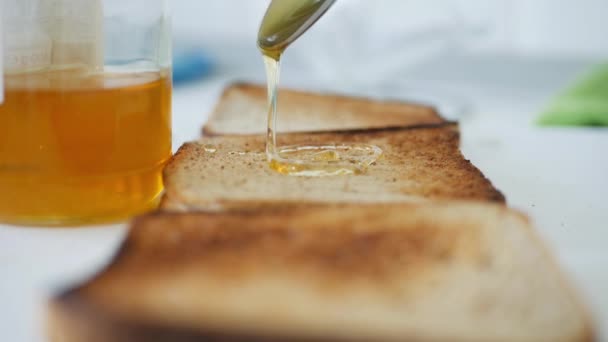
{"x": 311, "y": 160}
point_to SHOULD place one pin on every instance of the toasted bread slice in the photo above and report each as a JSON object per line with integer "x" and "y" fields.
{"x": 433, "y": 272}
{"x": 243, "y": 109}
{"x": 231, "y": 172}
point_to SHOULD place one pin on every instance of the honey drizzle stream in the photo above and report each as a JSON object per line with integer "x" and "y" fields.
{"x": 273, "y": 75}
{"x": 284, "y": 22}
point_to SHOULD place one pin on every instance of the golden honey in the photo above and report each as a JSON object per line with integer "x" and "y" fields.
{"x": 78, "y": 147}
{"x": 284, "y": 22}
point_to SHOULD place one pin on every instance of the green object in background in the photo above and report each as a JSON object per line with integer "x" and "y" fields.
{"x": 584, "y": 104}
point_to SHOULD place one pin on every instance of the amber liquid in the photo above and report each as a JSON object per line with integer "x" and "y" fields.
{"x": 77, "y": 147}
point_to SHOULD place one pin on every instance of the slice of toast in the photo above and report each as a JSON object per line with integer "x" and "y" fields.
{"x": 410, "y": 272}
{"x": 243, "y": 109}
{"x": 231, "y": 172}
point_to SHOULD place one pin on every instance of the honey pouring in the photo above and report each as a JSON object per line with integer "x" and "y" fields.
{"x": 284, "y": 22}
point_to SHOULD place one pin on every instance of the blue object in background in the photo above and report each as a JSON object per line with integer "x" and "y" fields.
{"x": 190, "y": 64}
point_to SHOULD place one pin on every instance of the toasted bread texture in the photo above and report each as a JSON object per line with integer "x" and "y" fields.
{"x": 418, "y": 164}
{"x": 409, "y": 272}
{"x": 243, "y": 109}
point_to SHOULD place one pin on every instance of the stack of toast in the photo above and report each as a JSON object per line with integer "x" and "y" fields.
{"x": 421, "y": 247}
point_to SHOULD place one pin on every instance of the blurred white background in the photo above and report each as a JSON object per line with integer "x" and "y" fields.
{"x": 428, "y": 50}
{"x": 569, "y": 27}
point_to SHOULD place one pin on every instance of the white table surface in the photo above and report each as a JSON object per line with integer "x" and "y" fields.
{"x": 558, "y": 176}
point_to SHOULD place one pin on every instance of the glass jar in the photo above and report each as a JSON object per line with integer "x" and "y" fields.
{"x": 85, "y": 118}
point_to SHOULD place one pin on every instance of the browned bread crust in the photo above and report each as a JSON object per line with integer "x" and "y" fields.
{"x": 419, "y": 163}
{"x": 391, "y": 255}
{"x": 412, "y": 272}
{"x": 242, "y": 109}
